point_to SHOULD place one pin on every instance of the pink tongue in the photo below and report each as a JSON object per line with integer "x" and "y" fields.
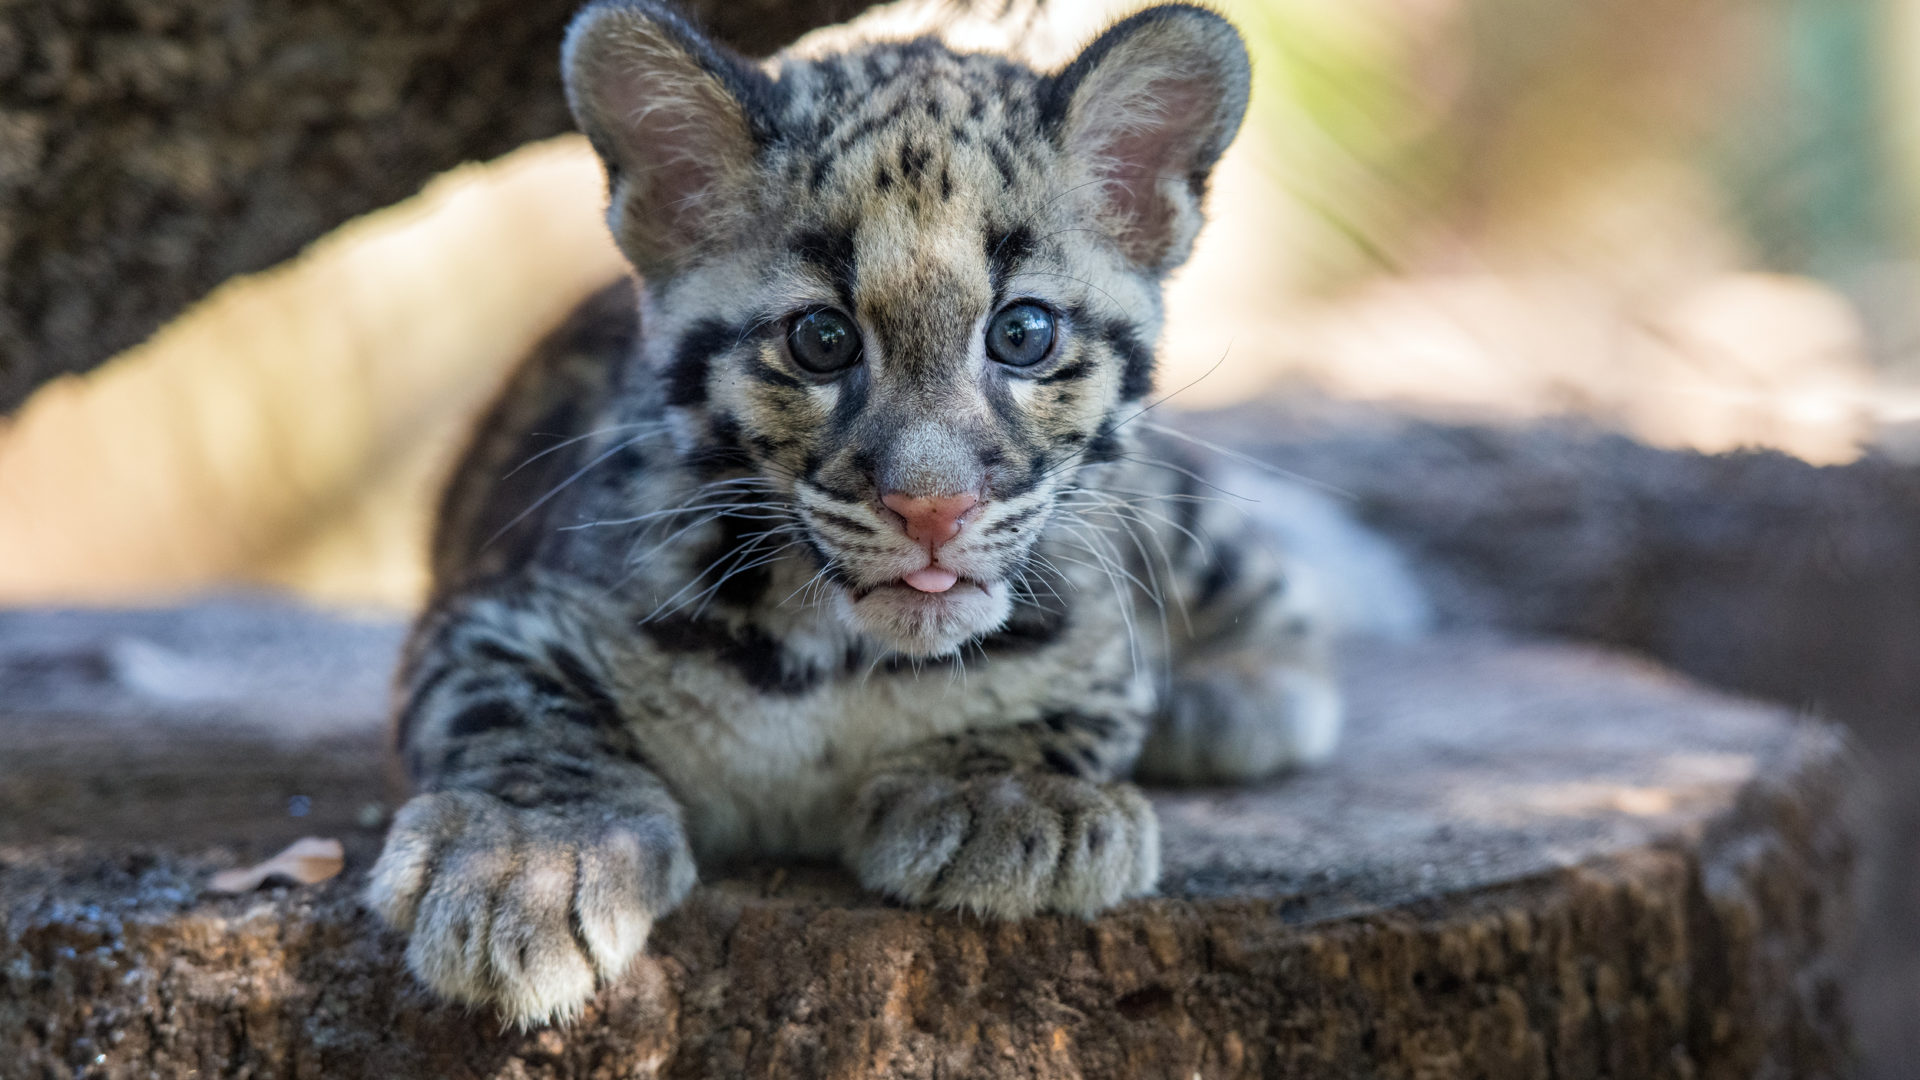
{"x": 932, "y": 579}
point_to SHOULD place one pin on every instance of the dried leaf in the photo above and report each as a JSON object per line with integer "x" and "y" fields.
{"x": 307, "y": 861}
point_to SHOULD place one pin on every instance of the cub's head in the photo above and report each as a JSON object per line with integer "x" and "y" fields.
{"x": 913, "y": 291}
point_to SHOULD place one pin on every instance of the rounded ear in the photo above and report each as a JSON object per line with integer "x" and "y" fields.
{"x": 676, "y": 118}
{"x": 1150, "y": 106}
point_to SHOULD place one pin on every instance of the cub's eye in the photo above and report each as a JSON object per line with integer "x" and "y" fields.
{"x": 824, "y": 341}
{"x": 1020, "y": 335}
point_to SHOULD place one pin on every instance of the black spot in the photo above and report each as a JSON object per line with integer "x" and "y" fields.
{"x": 883, "y": 179}
{"x": 1033, "y": 624}
{"x": 848, "y": 407}
{"x": 1136, "y": 373}
{"x": 1065, "y": 720}
{"x": 403, "y": 728}
{"x": 1003, "y": 161}
{"x": 545, "y": 685}
{"x": 483, "y": 717}
{"x": 912, "y": 160}
{"x": 946, "y": 184}
{"x": 730, "y": 575}
{"x": 1013, "y": 521}
{"x": 1061, "y": 763}
{"x": 1222, "y": 571}
{"x": 686, "y": 373}
{"x": 498, "y": 653}
{"x": 756, "y": 657}
{"x": 601, "y": 707}
{"x": 721, "y": 452}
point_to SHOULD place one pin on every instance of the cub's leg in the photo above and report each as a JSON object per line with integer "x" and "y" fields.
{"x": 542, "y": 849}
{"x": 1249, "y": 705}
{"x": 1006, "y": 822}
{"x": 1251, "y": 692}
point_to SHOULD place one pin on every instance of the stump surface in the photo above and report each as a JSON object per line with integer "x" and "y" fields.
{"x": 1526, "y": 861}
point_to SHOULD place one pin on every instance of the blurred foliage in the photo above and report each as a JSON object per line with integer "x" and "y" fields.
{"x": 1424, "y": 134}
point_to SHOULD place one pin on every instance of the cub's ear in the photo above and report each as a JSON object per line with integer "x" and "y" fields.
{"x": 1150, "y": 106}
{"x": 677, "y": 120}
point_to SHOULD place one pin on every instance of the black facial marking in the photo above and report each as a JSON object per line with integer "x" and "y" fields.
{"x": 1003, "y": 161}
{"x": 883, "y": 179}
{"x": 912, "y": 160}
{"x": 841, "y": 521}
{"x": 1006, "y": 251}
{"x": 832, "y": 251}
{"x": 1013, "y": 521}
{"x": 722, "y": 452}
{"x": 1136, "y": 372}
{"x": 764, "y": 372}
{"x": 1079, "y": 369}
{"x": 686, "y": 374}
{"x": 729, "y": 572}
{"x": 946, "y": 184}
{"x": 1105, "y": 446}
{"x": 1000, "y": 400}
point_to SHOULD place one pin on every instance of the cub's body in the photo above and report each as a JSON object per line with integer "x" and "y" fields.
{"x": 844, "y": 531}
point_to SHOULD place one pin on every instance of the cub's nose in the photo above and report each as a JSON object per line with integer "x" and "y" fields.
{"x": 930, "y": 520}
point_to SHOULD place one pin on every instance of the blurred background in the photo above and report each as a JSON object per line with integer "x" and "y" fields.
{"x": 1691, "y": 222}
{"x": 1687, "y": 220}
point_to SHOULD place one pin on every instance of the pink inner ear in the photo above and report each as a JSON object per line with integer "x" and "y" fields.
{"x": 1158, "y": 144}
{"x": 674, "y": 148}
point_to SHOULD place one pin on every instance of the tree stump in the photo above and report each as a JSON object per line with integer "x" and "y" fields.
{"x": 1528, "y": 860}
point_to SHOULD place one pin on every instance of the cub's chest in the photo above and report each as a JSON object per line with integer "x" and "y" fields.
{"x": 766, "y": 773}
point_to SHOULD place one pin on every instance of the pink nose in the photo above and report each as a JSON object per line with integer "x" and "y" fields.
{"x": 930, "y": 521}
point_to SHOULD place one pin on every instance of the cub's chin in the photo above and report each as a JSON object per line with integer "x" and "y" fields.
{"x": 926, "y": 625}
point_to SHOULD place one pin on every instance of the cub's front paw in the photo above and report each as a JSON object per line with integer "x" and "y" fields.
{"x": 522, "y": 909}
{"x": 1004, "y": 846}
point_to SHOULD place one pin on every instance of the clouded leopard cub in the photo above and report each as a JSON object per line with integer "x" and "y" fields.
{"x": 838, "y": 535}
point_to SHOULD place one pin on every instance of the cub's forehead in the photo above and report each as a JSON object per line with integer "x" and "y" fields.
{"x": 912, "y": 123}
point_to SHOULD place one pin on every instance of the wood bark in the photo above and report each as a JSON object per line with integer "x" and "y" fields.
{"x": 150, "y": 149}
{"x": 1528, "y": 861}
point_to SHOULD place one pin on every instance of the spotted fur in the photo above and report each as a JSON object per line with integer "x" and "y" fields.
{"x": 669, "y": 622}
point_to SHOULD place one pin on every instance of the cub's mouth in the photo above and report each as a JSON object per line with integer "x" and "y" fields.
{"x": 927, "y": 613}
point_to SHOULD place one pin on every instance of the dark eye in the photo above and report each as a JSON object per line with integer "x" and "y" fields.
{"x": 824, "y": 341}
{"x": 1020, "y": 335}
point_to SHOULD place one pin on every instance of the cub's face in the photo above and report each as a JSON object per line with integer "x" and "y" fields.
{"x": 909, "y": 290}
